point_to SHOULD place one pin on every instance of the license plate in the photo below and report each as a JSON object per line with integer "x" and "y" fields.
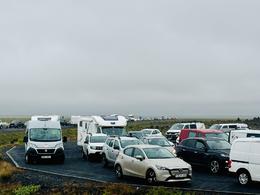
{"x": 45, "y": 157}
{"x": 180, "y": 175}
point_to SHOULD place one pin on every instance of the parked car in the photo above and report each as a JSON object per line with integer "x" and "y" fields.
{"x": 212, "y": 153}
{"x": 204, "y": 133}
{"x": 227, "y": 127}
{"x": 3, "y": 125}
{"x": 245, "y": 160}
{"x": 151, "y": 132}
{"x": 153, "y": 163}
{"x": 137, "y": 134}
{"x": 113, "y": 145}
{"x": 243, "y": 134}
{"x": 160, "y": 141}
{"x": 16, "y": 124}
{"x": 93, "y": 145}
{"x": 173, "y": 133}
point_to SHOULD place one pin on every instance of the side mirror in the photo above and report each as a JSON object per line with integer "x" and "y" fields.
{"x": 25, "y": 139}
{"x": 139, "y": 157}
{"x": 116, "y": 147}
{"x": 86, "y": 142}
{"x": 64, "y": 139}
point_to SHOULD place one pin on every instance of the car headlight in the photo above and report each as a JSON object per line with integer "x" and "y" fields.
{"x": 31, "y": 145}
{"x": 60, "y": 145}
{"x": 92, "y": 147}
{"x": 224, "y": 155}
{"x": 160, "y": 167}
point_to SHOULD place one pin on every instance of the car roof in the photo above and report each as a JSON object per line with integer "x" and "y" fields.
{"x": 149, "y": 129}
{"x": 98, "y": 134}
{"x": 123, "y": 138}
{"x": 204, "y": 130}
{"x": 142, "y": 146}
{"x": 155, "y": 137}
{"x": 43, "y": 124}
{"x": 205, "y": 139}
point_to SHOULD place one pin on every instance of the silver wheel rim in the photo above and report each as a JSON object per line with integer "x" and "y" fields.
{"x": 214, "y": 166}
{"x": 243, "y": 178}
{"x": 118, "y": 171}
{"x": 151, "y": 178}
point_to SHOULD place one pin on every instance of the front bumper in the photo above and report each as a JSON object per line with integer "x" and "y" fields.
{"x": 168, "y": 176}
{"x": 44, "y": 154}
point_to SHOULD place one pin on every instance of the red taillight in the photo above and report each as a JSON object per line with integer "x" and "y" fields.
{"x": 229, "y": 163}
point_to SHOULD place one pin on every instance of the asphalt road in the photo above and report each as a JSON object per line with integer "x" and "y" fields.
{"x": 75, "y": 166}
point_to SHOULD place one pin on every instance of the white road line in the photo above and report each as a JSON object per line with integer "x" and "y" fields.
{"x": 7, "y": 152}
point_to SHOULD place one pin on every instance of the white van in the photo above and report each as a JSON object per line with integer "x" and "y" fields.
{"x": 245, "y": 160}
{"x": 227, "y": 127}
{"x": 43, "y": 140}
{"x": 243, "y": 134}
{"x": 110, "y": 125}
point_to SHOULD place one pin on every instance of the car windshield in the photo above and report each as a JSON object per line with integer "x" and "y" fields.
{"x": 114, "y": 131}
{"x": 217, "y": 127}
{"x": 159, "y": 142}
{"x": 218, "y": 135}
{"x": 125, "y": 143}
{"x": 136, "y": 134}
{"x": 218, "y": 145}
{"x": 147, "y": 132}
{"x": 98, "y": 139}
{"x": 177, "y": 127}
{"x": 158, "y": 153}
{"x": 45, "y": 134}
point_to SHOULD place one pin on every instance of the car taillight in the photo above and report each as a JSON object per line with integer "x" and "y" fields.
{"x": 229, "y": 163}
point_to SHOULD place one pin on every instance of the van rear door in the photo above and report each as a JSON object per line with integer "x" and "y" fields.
{"x": 254, "y": 161}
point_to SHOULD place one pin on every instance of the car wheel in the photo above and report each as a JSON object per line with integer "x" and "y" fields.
{"x": 83, "y": 155}
{"x": 151, "y": 177}
{"x": 104, "y": 160}
{"x": 214, "y": 166}
{"x": 243, "y": 177}
{"x": 27, "y": 159}
{"x": 119, "y": 172}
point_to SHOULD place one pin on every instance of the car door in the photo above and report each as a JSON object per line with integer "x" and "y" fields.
{"x": 110, "y": 150}
{"x": 138, "y": 167}
{"x": 115, "y": 150}
{"x": 126, "y": 161}
{"x": 85, "y": 144}
{"x": 199, "y": 153}
{"x": 185, "y": 150}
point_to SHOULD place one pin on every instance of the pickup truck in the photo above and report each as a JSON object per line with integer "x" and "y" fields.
{"x": 3, "y": 125}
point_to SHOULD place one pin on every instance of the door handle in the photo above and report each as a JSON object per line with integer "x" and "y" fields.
{"x": 195, "y": 152}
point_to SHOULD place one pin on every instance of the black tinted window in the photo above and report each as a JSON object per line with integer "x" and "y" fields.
{"x": 111, "y": 143}
{"x": 188, "y": 143}
{"x": 253, "y": 135}
{"x": 193, "y": 126}
{"x": 199, "y": 145}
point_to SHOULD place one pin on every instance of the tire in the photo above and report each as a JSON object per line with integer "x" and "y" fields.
{"x": 28, "y": 159}
{"x": 104, "y": 160}
{"x": 118, "y": 171}
{"x": 214, "y": 167}
{"x": 151, "y": 177}
{"x": 243, "y": 177}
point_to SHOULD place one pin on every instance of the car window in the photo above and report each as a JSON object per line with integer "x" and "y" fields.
{"x": 125, "y": 143}
{"x": 200, "y": 135}
{"x": 154, "y": 132}
{"x": 225, "y": 127}
{"x": 253, "y": 135}
{"x": 192, "y": 134}
{"x": 108, "y": 141}
{"x": 116, "y": 144}
{"x": 199, "y": 145}
{"x": 193, "y": 126}
{"x": 128, "y": 151}
{"x": 138, "y": 152}
{"x": 232, "y": 127}
{"x": 111, "y": 143}
{"x": 186, "y": 127}
{"x": 189, "y": 143}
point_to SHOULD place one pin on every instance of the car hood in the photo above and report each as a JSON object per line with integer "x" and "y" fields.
{"x": 97, "y": 144}
{"x": 172, "y": 163}
{"x": 173, "y": 131}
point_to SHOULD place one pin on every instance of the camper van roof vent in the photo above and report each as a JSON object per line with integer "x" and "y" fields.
{"x": 110, "y": 118}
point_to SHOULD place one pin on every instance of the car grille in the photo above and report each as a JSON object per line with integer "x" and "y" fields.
{"x": 99, "y": 147}
{"x": 179, "y": 171}
{"x": 45, "y": 151}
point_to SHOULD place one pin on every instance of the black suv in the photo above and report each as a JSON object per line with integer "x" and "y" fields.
{"x": 212, "y": 153}
{"x": 16, "y": 124}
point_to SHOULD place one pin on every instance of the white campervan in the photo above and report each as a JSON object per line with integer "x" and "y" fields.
{"x": 243, "y": 134}
{"x": 110, "y": 125}
{"x": 245, "y": 160}
{"x": 43, "y": 139}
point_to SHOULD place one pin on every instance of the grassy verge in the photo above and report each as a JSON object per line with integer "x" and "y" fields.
{"x": 6, "y": 170}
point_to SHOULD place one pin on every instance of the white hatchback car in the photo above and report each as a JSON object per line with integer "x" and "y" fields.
{"x": 153, "y": 163}
{"x": 93, "y": 145}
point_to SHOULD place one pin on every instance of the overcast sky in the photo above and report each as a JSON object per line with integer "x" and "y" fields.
{"x": 181, "y": 58}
